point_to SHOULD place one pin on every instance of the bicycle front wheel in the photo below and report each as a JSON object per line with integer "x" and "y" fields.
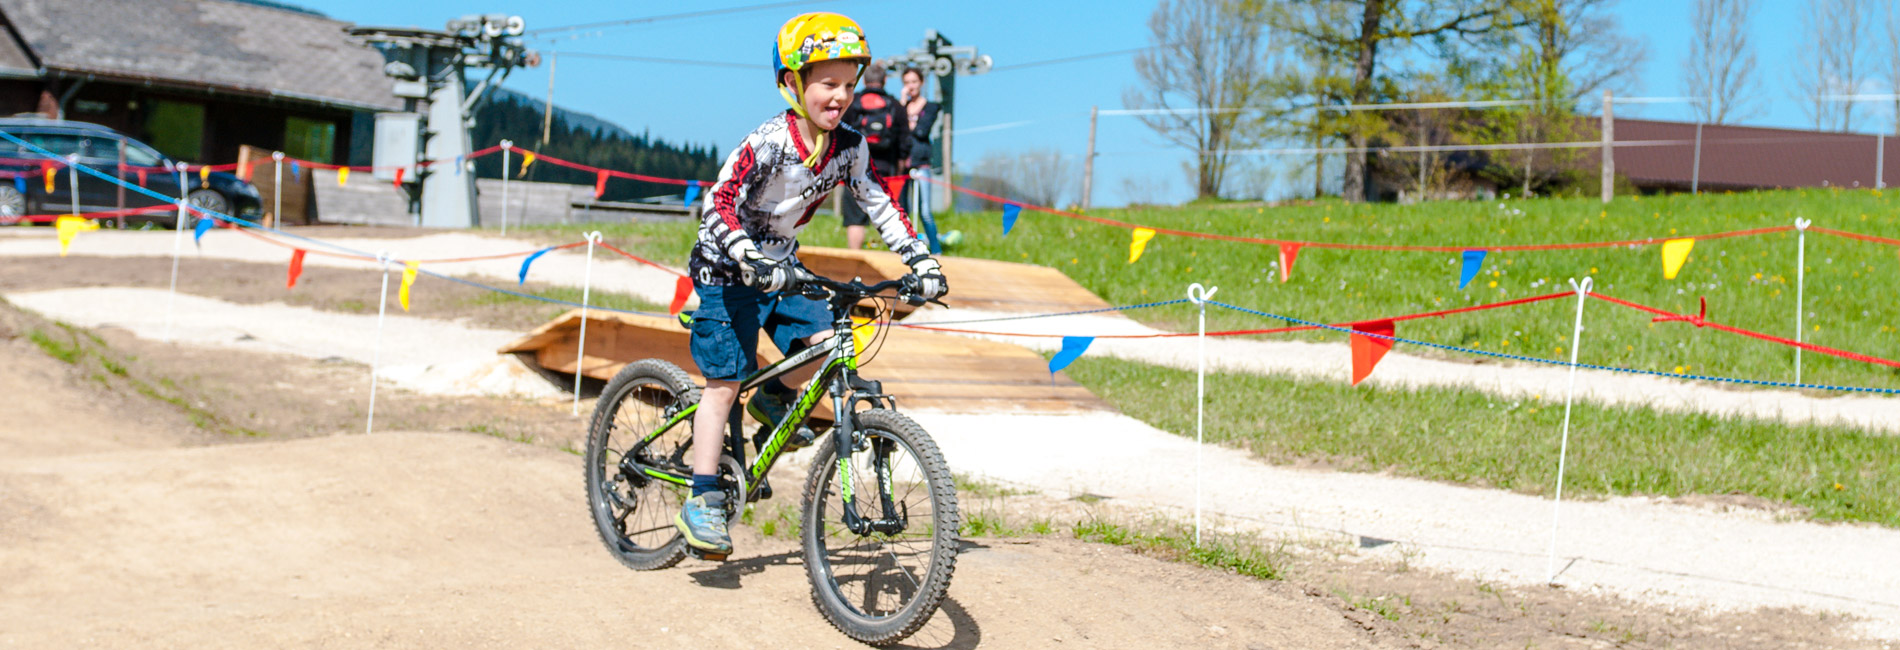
{"x": 634, "y": 511}
{"x": 881, "y": 582}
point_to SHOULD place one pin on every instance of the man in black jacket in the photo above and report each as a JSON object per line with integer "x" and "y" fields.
{"x": 886, "y": 130}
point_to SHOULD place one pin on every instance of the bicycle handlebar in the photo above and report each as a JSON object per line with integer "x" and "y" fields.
{"x": 906, "y": 286}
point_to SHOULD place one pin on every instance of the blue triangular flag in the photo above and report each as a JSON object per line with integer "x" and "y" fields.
{"x": 530, "y": 260}
{"x": 295, "y": 170}
{"x": 1010, "y": 211}
{"x": 1072, "y": 349}
{"x": 19, "y": 183}
{"x": 198, "y": 232}
{"x": 1474, "y": 260}
{"x": 458, "y": 165}
{"x": 692, "y": 193}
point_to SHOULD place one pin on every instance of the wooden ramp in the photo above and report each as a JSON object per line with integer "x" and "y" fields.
{"x": 923, "y": 370}
{"x": 986, "y": 285}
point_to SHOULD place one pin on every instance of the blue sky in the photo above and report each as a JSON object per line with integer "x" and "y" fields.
{"x": 719, "y": 105}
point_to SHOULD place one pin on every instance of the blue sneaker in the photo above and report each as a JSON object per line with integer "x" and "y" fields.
{"x": 769, "y": 409}
{"x": 703, "y": 521}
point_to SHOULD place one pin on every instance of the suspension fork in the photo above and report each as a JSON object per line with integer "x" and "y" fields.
{"x": 849, "y": 439}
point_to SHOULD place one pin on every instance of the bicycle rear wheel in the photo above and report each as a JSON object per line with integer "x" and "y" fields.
{"x": 634, "y": 512}
{"x": 879, "y": 587}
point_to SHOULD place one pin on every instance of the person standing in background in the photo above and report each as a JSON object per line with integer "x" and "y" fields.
{"x": 923, "y": 117}
{"x": 886, "y": 130}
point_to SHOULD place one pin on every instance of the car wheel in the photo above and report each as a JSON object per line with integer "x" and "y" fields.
{"x": 209, "y": 201}
{"x": 12, "y": 205}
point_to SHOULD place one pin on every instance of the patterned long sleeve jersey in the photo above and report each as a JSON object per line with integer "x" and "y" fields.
{"x": 765, "y": 195}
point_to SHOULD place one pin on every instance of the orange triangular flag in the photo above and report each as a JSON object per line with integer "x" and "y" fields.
{"x": 1368, "y": 350}
{"x": 296, "y": 268}
{"x": 600, "y": 184}
{"x": 51, "y": 173}
{"x": 399, "y": 172}
{"x": 1288, "y": 253}
{"x": 682, "y": 289}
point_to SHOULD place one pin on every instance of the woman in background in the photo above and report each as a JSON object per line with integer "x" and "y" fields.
{"x": 923, "y": 117}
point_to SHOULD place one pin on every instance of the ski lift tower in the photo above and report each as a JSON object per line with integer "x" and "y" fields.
{"x": 422, "y": 146}
{"x": 946, "y": 62}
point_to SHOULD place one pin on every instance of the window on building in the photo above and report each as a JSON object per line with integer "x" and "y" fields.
{"x": 312, "y": 140}
{"x": 177, "y": 129}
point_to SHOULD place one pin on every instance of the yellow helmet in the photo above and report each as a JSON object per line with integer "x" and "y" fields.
{"x": 812, "y": 38}
{"x": 818, "y": 36}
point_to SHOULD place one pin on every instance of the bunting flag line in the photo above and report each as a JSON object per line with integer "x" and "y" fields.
{"x": 1139, "y": 243}
{"x": 531, "y": 258}
{"x": 527, "y": 158}
{"x": 1473, "y": 262}
{"x": 296, "y": 268}
{"x": 51, "y": 174}
{"x": 1010, "y": 212}
{"x": 1674, "y": 253}
{"x": 69, "y": 227}
{"x": 692, "y": 193}
{"x": 398, "y": 182}
{"x": 600, "y": 184}
{"x": 342, "y": 176}
{"x": 1072, "y": 349}
{"x": 459, "y": 162}
{"x": 295, "y": 170}
{"x": 408, "y": 280}
{"x": 141, "y": 178}
{"x": 1288, "y": 253}
{"x": 862, "y": 331}
{"x": 198, "y": 231}
{"x": 682, "y": 289}
{"x": 244, "y": 172}
{"x": 204, "y": 174}
{"x": 1368, "y": 350}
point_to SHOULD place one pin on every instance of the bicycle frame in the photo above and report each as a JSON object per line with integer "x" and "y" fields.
{"x": 837, "y": 376}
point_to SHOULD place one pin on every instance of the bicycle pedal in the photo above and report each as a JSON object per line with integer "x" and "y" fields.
{"x": 708, "y": 555}
{"x": 765, "y": 488}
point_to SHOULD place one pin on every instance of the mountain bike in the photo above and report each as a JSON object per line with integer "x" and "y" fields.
{"x": 879, "y": 523}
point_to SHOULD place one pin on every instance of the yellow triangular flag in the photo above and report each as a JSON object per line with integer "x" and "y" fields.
{"x": 862, "y": 331}
{"x": 408, "y": 280}
{"x": 51, "y": 173}
{"x": 69, "y": 226}
{"x": 342, "y": 176}
{"x": 527, "y": 158}
{"x": 1675, "y": 252}
{"x": 1140, "y": 243}
{"x": 204, "y": 174}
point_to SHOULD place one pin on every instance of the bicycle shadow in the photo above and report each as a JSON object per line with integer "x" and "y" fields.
{"x": 951, "y": 629}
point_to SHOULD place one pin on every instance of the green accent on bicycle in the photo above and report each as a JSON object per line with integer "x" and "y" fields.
{"x": 844, "y": 476}
{"x": 676, "y": 419}
{"x": 806, "y": 402}
{"x": 683, "y": 482}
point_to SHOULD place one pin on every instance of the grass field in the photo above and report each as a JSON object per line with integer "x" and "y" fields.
{"x": 1472, "y": 438}
{"x": 1749, "y": 282}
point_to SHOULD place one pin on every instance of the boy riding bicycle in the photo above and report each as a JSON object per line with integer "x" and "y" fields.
{"x": 744, "y": 266}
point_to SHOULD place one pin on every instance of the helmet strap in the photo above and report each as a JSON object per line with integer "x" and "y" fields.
{"x": 796, "y": 98}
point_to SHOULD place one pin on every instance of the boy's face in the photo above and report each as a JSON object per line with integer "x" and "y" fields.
{"x": 828, "y": 89}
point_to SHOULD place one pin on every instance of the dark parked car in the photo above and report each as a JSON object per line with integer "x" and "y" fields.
{"x": 99, "y": 147}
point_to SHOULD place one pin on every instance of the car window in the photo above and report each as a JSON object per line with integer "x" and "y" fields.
{"x": 139, "y": 155}
{"x": 59, "y": 143}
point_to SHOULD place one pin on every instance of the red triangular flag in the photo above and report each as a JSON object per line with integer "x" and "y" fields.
{"x": 399, "y": 172}
{"x": 1367, "y": 350}
{"x": 296, "y": 268}
{"x": 681, "y": 290}
{"x": 600, "y": 184}
{"x": 141, "y": 178}
{"x": 1288, "y": 253}
{"x": 894, "y": 185}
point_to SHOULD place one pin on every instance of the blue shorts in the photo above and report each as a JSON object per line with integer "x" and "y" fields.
{"x": 726, "y": 327}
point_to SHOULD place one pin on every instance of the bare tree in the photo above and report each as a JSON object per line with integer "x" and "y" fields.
{"x": 1832, "y": 62}
{"x": 1211, "y": 62}
{"x": 1036, "y": 176}
{"x": 1721, "y": 65}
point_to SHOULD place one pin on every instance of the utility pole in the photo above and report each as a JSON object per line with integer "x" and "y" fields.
{"x": 547, "y": 114}
{"x": 946, "y": 62}
{"x": 1609, "y": 150}
{"x": 1088, "y": 164}
{"x": 1695, "y": 174}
